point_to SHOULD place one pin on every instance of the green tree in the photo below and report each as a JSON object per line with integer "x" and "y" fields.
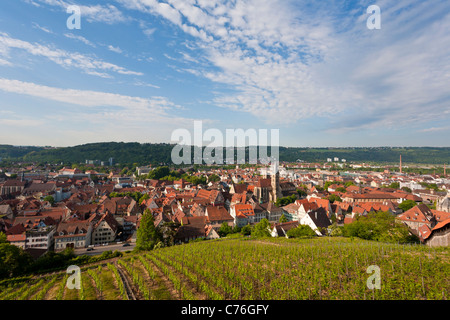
{"x": 379, "y": 226}
{"x": 167, "y": 232}
{"x": 407, "y": 204}
{"x": 285, "y": 200}
{"x": 147, "y": 234}
{"x": 213, "y": 178}
{"x": 3, "y": 238}
{"x": 335, "y": 230}
{"x": 224, "y": 229}
{"x": 261, "y": 229}
{"x": 246, "y": 230}
{"x": 302, "y": 192}
{"x": 302, "y": 231}
{"x": 14, "y": 261}
{"x": 333, "y": 198}
{"x": 283, "y": 218}
{"x": 394, "y": 185}
{"x": 406, "y": 189}
{"x": 50, "y": 199}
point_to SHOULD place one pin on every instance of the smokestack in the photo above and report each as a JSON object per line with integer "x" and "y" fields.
{"x": 445, "y": 174}
{"x": 400, "y": 163}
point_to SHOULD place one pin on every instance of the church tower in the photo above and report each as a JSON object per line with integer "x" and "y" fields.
{"x": 275, "y": 182}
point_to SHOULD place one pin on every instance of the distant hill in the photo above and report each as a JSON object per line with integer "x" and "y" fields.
{"x": 133, "y": 152}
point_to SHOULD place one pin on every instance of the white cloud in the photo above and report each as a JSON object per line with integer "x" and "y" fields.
{"x": 291, "y": 60}
{"x": 45, "y": 29}
{"x": 97, "y": 115}
{"x": 87, "y": 64}
{"x": 79, "y": 38}
{"x": 114, "y": 49}
{"x": 87, "y": 98}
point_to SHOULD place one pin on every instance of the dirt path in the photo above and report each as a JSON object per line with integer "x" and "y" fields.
{"x": 126, "y": 282}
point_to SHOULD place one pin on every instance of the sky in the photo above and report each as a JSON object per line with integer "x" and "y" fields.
{"x": 137, "y": 70}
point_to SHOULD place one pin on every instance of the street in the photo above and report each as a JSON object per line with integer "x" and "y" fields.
{"x": 100, "y": 249}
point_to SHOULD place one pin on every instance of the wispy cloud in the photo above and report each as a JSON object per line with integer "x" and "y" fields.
{"x": 79, "y": 38}
{"x": 45, "y": 29}
{"x": 156, "y": 105}
{"x": 88, "y": 64}
{"x": 435, "y": 129}
{"x": 114, "y": 49}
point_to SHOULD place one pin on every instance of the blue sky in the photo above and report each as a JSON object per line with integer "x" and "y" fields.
{"x": 139, "y": 69}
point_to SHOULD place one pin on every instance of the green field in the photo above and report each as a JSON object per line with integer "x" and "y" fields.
{"x": 280, "y": 269}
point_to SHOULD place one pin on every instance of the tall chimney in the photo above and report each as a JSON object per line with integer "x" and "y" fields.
{"x": 400, "y": 163}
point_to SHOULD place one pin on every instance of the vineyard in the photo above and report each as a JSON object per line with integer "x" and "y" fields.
{"x": 280, "y": 269}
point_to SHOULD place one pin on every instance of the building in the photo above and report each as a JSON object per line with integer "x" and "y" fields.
{"x": 443, "y": 204}
{"x": 317, "y": 220}
{"x": 243, "y": 214}
{"x": 104, "y": 229}
{"x": 281, "y": 229}
{"x": 217, "y": 215}
{"x": 73, "y": 234}
{"x": 416, "y": 217}
{"x": 439, "y": 235}
{"x": 12, "y": 187}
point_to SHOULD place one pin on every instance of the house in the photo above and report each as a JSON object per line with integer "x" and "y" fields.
{"x": 16, "y": 235}
{"x": 439, "y": 235}
{"x": 416, "y": 217}
{"x": 281, "y": 229}
{"x": 273, "y": 213}
{"x": 218, "y": 215}
{"x": 6, "y": 211}
{"x": 318, "y": 221}
{"x": 74, "y": 233}
{"x": 40, "y": 189}
{"x": 105, "y": 228}
{"x": 193, "y": 228}
{"x": 323, "y": 203}
{"x": 292, "y": 212}
{"x": 12, "y": 187}
{"x": 214, "y": 197}
{"x": 243, "y": 214}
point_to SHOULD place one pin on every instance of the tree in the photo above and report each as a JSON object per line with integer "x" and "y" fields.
{"x": 213, "y": 178}
{"x": 283, "y": 218}
{"x": 379, "y": 226}
{"x": 224, "y": 229}
{"x": 246, "y": 230}
{"x": 394, "y": 185}
{"x": 407, "y": 189}
{"x": 333, "y": 198}
{"x": 3, "y": 238}
{"x": 167, "y": 232}
{"x": 286, "y": 200}
{"x": 261, "y": 229}
{"x": 50, "y": 199}
{"x": 302, "y": 192}
{"x": 407, "y": 204}
{"x": 147, "y": 235}
{"x": 14, "y": 261}
{"x": 302, "y": 231}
